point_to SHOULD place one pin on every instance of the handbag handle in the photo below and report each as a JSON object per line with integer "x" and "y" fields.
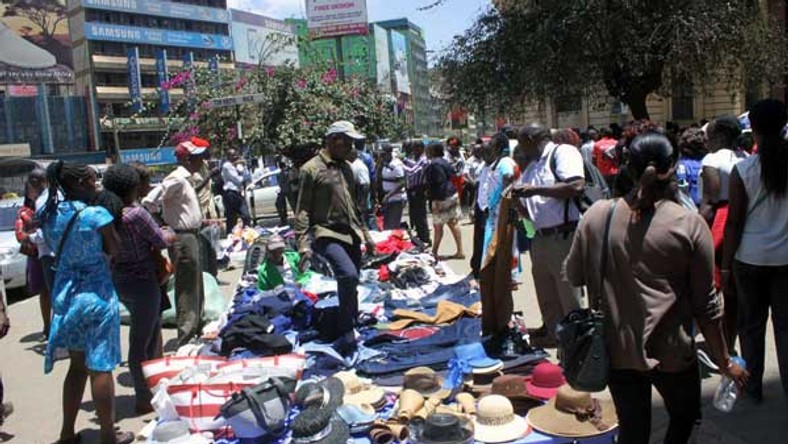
{"x": 600, "y": 295}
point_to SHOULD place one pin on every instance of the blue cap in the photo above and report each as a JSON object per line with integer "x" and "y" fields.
{"x": 475, "y": 355}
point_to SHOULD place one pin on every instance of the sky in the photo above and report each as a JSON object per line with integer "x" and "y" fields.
{"x": 440, "y": 24}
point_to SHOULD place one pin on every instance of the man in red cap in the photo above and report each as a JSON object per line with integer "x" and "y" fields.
{"x": 181, "y": 212}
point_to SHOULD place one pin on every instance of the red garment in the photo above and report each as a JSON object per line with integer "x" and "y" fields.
{"x": 414, "y": 333}
{"x": 459, "y": 183}
{"x": 394, "y": 244}
{"x": 383, "y": 273}
{"x": 23, "y": 226}
{"x": 606, "y": 165}
{"x": 718, "y": 236}
{"x": 311, "y": 296}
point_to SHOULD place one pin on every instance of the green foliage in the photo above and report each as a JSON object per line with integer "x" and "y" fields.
{"x": 536, "y": 49}
{"x": 298, "y": 107}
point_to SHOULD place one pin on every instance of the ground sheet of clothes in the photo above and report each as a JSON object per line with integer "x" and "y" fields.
{"x": 267, "y": 370}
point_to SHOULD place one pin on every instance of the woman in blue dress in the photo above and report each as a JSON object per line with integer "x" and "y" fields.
{"x": 86, "y": 320}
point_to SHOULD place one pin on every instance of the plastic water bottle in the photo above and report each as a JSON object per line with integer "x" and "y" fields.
{"x": 727, "y": 391}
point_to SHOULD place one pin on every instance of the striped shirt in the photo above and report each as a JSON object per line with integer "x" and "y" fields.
{"x": 416, "y": 173}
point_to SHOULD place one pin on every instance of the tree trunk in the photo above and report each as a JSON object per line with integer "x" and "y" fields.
{"x": 637, "y": 104}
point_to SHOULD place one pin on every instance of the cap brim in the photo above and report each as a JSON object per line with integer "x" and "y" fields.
{"x": 540, "y": 392}
{"x": 352, "y": 134}
{"x": 515, "y": 430}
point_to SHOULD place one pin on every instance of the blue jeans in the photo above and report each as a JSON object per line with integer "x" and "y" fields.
{"x": 345, "y": 261}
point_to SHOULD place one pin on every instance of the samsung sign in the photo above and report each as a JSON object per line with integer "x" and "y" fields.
{"x": 131, "y": 34}
{"x": 162, "y": 9}
{"x": 149, "y": 156}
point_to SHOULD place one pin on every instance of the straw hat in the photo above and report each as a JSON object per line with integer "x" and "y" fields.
{"x": 574, "y": 414}
{"x": 359, "y": 393}
{"x": 496, "y": 422}
{"x": 425, "y": 381}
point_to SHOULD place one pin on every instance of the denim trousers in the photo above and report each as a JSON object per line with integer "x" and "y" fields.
{"x": 143, "y": 300}
{"x": 345, "y": 261}
{"x": 761, "y": 288}
{"x": 631, "y": 391}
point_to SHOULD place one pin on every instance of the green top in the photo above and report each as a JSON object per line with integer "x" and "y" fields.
{"x": 326, "y": 207}
{"x": 268, "y": 276}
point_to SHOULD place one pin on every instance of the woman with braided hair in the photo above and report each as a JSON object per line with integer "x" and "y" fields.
{"x": 86, "y": 320}
{"x": 135, "y": 276}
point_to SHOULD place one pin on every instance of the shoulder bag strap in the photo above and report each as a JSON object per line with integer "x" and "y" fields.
{"x": 600, "y": 295}
{"x": 64, "y": 237}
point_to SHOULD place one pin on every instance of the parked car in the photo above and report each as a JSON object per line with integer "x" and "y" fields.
{"x": 260, "y": 196}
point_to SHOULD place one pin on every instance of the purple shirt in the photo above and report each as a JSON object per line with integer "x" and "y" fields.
{"x": 139, "y": 235}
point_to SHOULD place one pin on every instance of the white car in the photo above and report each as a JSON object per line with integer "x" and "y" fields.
{"x": 12, "y": 262}
{"x": 260, "y": 196}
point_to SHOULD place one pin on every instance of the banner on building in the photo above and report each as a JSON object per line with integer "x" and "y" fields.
{"x": 333, "y": 18}
{"x": 382, "y": 60}
{"x": 188, "y": 65}
{"x": 355, "y": 54}
{"x": 162, "y": 76}
{"x": 149, "y": 156}
{"x": 259, "y": 39}
{"x": 399, "y": 53}
{"x": 135, "y": 80}
{"x": 133, "y": 34}
{"x": 161, "y": 9}
{"x": 35, "y": 51}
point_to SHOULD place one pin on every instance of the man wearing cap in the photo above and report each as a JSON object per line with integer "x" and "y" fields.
{"x": 280, "y": 267}
{"x": 327, "y": 213}
{"x": 181, "y": 212}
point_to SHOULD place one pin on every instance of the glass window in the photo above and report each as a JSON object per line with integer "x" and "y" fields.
{"x": 683, "y": 100}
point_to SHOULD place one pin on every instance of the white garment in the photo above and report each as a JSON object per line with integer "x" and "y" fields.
{"x": 473, "y": 167}
{"x": 546, "y": 212}
{"x": 393, "y": 176}
{"x": 485, "y": 188}
{"x": 360, "y": 172}
{"x": 286, "y": 272}
{"x": 179, "y": 202}
{"x": 38, "y": 236}
{"x": 765, "y": 238}
{"x": 233, "y": 179}
{"x": 723, "y": 161}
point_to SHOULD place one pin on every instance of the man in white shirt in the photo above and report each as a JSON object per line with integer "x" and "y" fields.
{"x": 550, "y": 185}
{"x": 234, "y": 203}
{"x": 181, "y": 212}
{"x": 481, "y": 207}
{"x": 363, "y": 183}
{"x": 473, "y": 166}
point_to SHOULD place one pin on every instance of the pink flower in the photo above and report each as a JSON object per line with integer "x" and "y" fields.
{"x": 241, "y": 83}
{"x": 232, "y": 133}
{"x": 206, "y": 105}
{"x": 270, "y": 71}
{"x": 194, "y": 116}
{"x": 329, "y": 77}
{"x": 301, "y": 84}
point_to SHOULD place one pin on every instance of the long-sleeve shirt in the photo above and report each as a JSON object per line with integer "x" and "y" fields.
{"x": 233, "y": 180}
{"x": 326, "y": 207}
{"x": 178, "y": 199}
{"x": 139, "y": 235}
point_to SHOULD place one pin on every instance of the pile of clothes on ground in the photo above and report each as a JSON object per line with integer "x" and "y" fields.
{"x": 270, "y": 371}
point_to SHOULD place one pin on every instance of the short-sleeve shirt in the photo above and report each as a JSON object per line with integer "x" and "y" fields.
{"x": 360, "y": 172}
{"x": 547, "y": 212}
{"x": 723, "y": 161}
{"x": 658, "y": 278}
{"x": 393, "y": 175}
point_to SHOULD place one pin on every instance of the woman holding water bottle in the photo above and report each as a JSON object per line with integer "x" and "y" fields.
{"x": 658, "y": 279}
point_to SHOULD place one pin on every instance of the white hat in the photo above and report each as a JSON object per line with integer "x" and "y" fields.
{"x": 346, "y": 128}
{"x": 496, "y": 422}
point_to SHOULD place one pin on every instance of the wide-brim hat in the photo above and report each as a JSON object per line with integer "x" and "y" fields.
{"x": 328, "y": 393}
{"x": 359, "y": 393}
{"x": 427, "y": 382}
{"x": 445, "y": 428}
{"x": 324, "y": 431}
{"x": 496, "y": 422}
{"x": 559, "y": 416}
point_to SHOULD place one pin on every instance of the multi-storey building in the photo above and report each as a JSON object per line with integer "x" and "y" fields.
{"x": 103, "y": 31}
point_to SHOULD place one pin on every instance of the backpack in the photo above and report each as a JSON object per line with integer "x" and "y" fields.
{"x": 595, "y": 188}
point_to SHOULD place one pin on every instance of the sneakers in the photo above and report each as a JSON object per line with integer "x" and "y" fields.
{"x": 21, "y": 53}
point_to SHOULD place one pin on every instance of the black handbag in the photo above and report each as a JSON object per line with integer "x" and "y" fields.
{"x": 260, "y": 410}
{"x": 581, "y": 335}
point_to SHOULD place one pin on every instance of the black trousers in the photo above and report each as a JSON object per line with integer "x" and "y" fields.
{"x": 345, "y": 261}
{"x": 281, "y": 208}
{"x": 631, "y": 392}
{"x": 479, "y": 222}
{"x": 234, "y": 207}
{"x": 417, "y": 206}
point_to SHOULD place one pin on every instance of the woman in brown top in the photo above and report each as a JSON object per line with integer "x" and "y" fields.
{"x": 658, "y": 279}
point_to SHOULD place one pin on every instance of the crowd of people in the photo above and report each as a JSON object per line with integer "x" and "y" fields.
{"x": 691, "y": 226}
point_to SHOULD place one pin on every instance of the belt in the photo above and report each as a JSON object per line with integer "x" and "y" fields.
{"x": 560, "y": 229}
{"x": 192, "y": 231}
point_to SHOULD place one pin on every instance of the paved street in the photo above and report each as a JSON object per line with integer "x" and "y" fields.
{"x": 37, "y": 396}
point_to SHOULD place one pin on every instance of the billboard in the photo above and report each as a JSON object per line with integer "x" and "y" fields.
{"x": 135, "y": 81}
{"x": 132, "y": 34}
{"x": 35, "y": 46}
{"x": 382, "y": 64}
{"x": 162, "y": 76}
{"x": 399, "y": 54}
{"x": 258, "y": 39}
{"x": 161, "y": 9}
{"x": 355, "y": 52}
{"x": 333, "y": 18}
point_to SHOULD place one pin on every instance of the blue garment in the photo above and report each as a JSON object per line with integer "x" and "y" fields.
{"x": 370, "y": 163}
{"x": 84, "y": 303}
{"x": 688, "y": 175}
{"x": 505, "y": 167}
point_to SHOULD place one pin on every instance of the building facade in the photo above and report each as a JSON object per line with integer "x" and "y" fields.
{"x": 103, "y": 31}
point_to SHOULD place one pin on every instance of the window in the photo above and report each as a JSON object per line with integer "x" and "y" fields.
{"x": 683, "y": 96}
{"x": 568, "y": 104}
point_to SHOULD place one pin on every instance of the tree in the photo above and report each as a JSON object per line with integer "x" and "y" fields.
{"x": 534, "y": 49}
{"x": 46, "y": 14}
